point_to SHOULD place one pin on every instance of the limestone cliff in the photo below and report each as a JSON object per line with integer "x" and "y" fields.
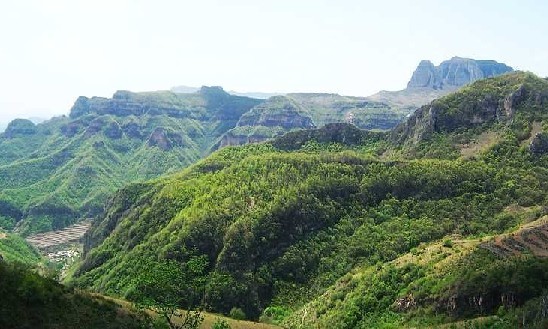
{"x": 455, "y": 72}
{"x": 430, "y": 82}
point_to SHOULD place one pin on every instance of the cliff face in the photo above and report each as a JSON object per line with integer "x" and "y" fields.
{"x": 278, "y": 111}
{"x": 425, "y": 76}
{"x": 455, "y": 72}
{"x": 485, "y": 102}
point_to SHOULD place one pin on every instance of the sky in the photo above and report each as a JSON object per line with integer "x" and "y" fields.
{"x": 53, "y": 51}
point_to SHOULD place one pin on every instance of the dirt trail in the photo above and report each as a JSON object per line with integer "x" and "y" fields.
{"x": 54, "y": 238}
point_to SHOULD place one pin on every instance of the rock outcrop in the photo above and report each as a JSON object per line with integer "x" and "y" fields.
{"x": 279, "y": 114}
{"x": 539, "y": 144}
{"x": 165, "y": 139}
{"x": 278, "y": 111}
{"x": 455, "y": 73}
{"x": 430, "y": 82}
{"x": 487, "y": 101}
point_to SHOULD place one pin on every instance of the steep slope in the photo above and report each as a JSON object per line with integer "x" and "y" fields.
{"x": 267, "y": 228}
{"x": 15, "y": 249}
{"x": 61, "y": 170}
{"x": 429, "y": 82}
{"x": 516, "y": 101}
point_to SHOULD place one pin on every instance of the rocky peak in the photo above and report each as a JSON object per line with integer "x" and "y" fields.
{"x": 454, "y": 73}
{"x": 425, "y": 76}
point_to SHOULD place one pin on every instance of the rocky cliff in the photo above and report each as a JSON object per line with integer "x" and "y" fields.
{"x": 429, "y": 82}
{"x": 455, "y": 72}
{"x": 483, "y": 103}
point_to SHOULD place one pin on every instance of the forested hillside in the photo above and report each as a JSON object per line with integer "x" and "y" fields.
{"x": 324, "y": 228}
{"x": 57, "y": 172}
{"x": 32, "y": 301}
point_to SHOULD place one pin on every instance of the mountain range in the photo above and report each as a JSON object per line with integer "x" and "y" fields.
{"x": 300, "y": 210}
{"x": 441, "y": 219}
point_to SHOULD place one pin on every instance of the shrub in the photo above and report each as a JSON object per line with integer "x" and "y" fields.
{"x": 448, "y": 243}
{"x": 220, "y": 324}
{"x": 237, "y": 313}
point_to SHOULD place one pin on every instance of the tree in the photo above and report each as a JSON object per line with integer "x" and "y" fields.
{"x": 163, "y": 288}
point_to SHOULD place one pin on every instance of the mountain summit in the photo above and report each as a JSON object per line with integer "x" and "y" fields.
{"x": 455, "y": 73}
{"x": 429, "y": 82}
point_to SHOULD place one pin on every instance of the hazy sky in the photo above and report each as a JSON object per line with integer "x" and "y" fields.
{"x": 53, "y": 51}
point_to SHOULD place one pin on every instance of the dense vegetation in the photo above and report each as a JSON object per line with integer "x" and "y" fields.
{"x": 14, "y": 248}
{"x": 62, "y": 170}
{"x": 268, "y": 228}
{"x": 59, "y": 171}
{"x": 32, "y": 301}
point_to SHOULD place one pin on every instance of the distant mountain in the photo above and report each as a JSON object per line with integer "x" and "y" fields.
{"x": 429, "y": 82}
{"x": 281, "y": 114}
{"x": 184, "y": 89}
{"x": 258, "y": 95}
{"x": 36, "y": 120}
{"x": 255, "y": 94}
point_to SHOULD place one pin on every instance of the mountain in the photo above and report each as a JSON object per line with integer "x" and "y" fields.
{"x": 455, "y": 72}
{"x": 429, "y": 82}
{"x": 440, "y": 221}
{"x": 251, "y": 94}
{"x": 61, "y": 170}
{"x": 282, "y": 114}
{"x": 35, "y": 120}
{"x": 472, "y": 118}
{"x": 255, "y": 94}
{"x": 56, "y": 172}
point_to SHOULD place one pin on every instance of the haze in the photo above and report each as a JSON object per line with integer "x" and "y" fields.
{"x": 53, "y": 51}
